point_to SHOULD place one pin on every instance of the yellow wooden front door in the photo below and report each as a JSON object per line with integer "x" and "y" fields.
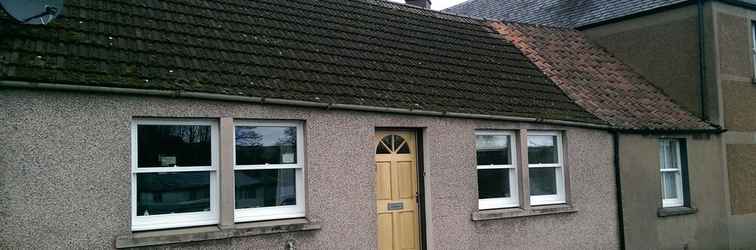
{"x": 396, "y": 190}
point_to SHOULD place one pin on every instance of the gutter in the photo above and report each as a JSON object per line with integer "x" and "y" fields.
{"x": 715, "y": 130}
{"x": 618, "y": 186}
{"x": 287, "y": 102}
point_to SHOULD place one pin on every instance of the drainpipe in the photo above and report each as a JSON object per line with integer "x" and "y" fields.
{"x": 702, "y": 59}
{"x": 618, "y": 186}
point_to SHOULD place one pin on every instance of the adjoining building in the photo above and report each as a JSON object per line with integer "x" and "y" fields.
{"x": 332, "y": 125}
{"x": 701, "y": 53}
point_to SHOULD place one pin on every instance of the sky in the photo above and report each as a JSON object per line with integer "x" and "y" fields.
{"x": 438, "y": 4}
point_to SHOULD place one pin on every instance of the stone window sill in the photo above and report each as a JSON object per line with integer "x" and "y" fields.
{"x": 496, "y": 214}
{"x": 675, "y": 211}
{"x": 173, "y": 236}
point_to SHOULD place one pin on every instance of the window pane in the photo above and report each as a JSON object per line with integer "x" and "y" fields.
{"x": 669, "y": 149}
{"x": 261, "y": 145}
{"x": 543, "y": 181}
{"x": 398, "y": 140}
{"x": 265, "y": 188}
{"x": 542, "y": 149}
{"x": 404, "y": 149}
{"x": 170, "y": 145}
{"x": 493, "y": 150}
{"x": 388, "y": 141}
{"x": 382, "y": 149}
{"x": 669, "y": 185}
{"x": 493, "y": 183}
{"x": 167, "y": 193}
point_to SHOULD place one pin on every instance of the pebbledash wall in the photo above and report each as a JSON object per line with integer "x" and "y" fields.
{"x": 65, "y": 176}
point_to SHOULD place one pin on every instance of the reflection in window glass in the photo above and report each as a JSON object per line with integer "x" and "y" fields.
{"x": 542, "y": 149}
{"x": 168, "y": 193}
{"x": 493, "y": 183}
{"x": 493, "y": 150}
{"x": 543, "y": 181}
{"x": 266, "y": 145}
{"x": 669, "y": 150}
{"x": 173, "y": 145}
{"x": 265, "y": 188}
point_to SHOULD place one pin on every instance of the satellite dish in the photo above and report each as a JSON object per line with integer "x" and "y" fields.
{"x": 33, "y": 11}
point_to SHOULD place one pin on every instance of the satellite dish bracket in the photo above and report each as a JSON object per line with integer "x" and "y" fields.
{"x": 33, "y": 11}
{"x": 49, "y": 12}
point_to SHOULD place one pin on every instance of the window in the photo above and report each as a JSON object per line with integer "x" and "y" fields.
{"x": 174, "y": 180}
{"x": 672, "y": 172}
{"x": 545, "y": 168}
{"x": 268, "y": 171}
{"x": 497, "y": 171}
{"x": 392, "y": 144}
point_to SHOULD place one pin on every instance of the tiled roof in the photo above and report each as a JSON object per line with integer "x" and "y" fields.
{"x": 598, "y": 81}
{"x": 561, "y": 13}
{"x": 360, "y": 52}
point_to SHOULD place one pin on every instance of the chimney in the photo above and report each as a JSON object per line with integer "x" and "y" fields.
{"x": 425, "y": 4}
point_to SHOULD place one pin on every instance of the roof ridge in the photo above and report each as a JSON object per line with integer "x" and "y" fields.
{"x": 401, "y": 5}
{"x": 466, "y": 2}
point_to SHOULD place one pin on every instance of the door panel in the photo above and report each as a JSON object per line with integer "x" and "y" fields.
{"x": 396, "y": 191}
{"x": 383, "y": 180}
{"x": 406, "y": 180}
{"x": 407, "y": 227}
{"x": 385, "y": 224}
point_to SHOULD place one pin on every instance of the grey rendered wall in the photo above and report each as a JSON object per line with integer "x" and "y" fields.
{"x": 64, "y": 176}
{"x": 706, "y": 229}
{"x": 735, "y": 75}
{"x": 662, "y": 47}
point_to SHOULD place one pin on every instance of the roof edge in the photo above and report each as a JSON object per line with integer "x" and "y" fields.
{"x": 715, "y": 130}
{"x": 286, "y": 102}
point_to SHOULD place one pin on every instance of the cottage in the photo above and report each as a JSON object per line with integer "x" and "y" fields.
{"x": 325, "y": 125}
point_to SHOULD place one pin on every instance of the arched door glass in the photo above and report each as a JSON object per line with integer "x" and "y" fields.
{"x": 392, "y": 144}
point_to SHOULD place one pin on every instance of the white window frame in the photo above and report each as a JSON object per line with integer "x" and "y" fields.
{"x": 680, "y": 200}
{"x": 513, "y": 199}
{"x": 165, "y": 221}
{"x": 277, "y": 212}
{"x": 559, "y": 197}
